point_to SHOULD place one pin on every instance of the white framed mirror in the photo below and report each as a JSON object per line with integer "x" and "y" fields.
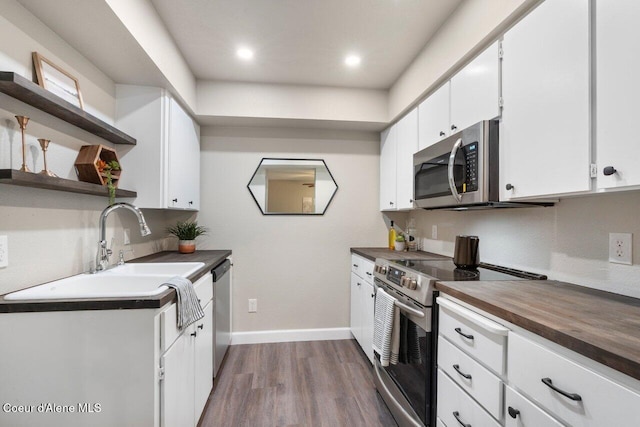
{"x": 292, "y": 186}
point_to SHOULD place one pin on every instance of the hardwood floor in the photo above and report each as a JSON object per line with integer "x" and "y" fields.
{"x": 313, "y": 383}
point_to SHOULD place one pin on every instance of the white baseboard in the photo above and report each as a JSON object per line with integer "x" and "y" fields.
{"x": 289, "y": 335}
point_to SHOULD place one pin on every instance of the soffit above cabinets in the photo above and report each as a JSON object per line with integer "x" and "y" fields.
{"x": 303, "y": 42}
{"x": 295, "y": 42}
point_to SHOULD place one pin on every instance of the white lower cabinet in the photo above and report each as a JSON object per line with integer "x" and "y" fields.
{"x": 472, "y": 377}
{"x": 362, "y": 303}
{"x": 521, "y": 412}
{"x": 104, "y": 368}
{"x": 471, "y": 355}
{"x": 574, "y": 394}
{"x": 203, "y": 357}
{"x": 455, "y": 407}
{"x": 540, "y": 387}
{"x": 177, "y": 386}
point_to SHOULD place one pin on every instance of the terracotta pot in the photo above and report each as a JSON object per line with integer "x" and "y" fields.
{"x": 186, "y": 246}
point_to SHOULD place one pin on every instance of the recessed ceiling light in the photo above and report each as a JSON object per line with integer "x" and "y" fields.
{"x": 244, "y": 53}
{"x": 352, "y": 60}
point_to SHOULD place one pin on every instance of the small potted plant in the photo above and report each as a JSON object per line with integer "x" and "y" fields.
{"x": 186, "y": 232}
{"x": 399, "y": 246}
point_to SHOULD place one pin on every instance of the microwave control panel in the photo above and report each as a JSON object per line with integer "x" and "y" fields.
{"x": 471, "y": 161}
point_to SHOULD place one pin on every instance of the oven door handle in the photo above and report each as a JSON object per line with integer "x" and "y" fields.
{"x": 408, "y": 309}
{"x": 403, "y": 306}
{"x": 452, "y": 160}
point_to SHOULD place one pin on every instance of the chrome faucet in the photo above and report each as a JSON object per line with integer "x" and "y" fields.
{"x": 102, "y": 257}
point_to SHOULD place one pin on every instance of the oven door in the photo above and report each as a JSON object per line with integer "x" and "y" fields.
{"x": 406, "y": 386}
{"x": 449, "y": 173}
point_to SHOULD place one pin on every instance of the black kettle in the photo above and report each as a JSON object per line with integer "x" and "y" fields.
{"x": 466, "y": 253}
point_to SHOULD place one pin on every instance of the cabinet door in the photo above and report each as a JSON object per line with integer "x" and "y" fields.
{"x": 475, "y": 90}
{"x": 434, "y": 117}
{"x": 618, "y": 91}
{"x": 521, "y": 412}
{"x": 545, "y": 132}
{"x": 181, "y": 162}
{"x": 407, "y": 137}
{"x": 356, "y": 307}
{"x": 388, "y": 169}
{"x": 368, "y": 305}
{"x": 176, "y": 389}
{"x": 203, "y": 360}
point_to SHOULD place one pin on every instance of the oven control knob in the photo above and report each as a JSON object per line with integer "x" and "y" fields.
{"x": 383, "y": 269}
{"x": 413, "y": 284}
{"x": 376, "y": 268}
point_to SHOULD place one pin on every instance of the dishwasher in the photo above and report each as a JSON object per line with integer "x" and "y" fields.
{"x": 222, "y": 309}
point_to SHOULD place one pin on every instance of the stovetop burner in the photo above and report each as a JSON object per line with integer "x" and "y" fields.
{"x": 446, "y": 270}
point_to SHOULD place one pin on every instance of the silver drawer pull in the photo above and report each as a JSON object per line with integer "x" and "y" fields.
{"x": 457, "y": 368}
{"x": 573, "y": 396}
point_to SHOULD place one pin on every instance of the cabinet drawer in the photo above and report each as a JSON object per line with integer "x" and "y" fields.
{"x": 169, "y": 317}
{"x": 482, "y": 385}
{"x": 478, "y": 336}
{"x": 453, "y": 401}
{"x": 362, "y": 267}
{"x": 602, "y": 402}
{"x": 521, "y": 412}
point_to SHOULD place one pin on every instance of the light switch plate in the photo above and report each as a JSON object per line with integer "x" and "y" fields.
{"x": 4, "y": 251}
{"x": 620, "y": 248}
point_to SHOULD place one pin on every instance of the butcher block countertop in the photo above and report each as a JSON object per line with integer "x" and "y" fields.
{"x": 373, "y": 253}
{"x": 210, "y": 258}
{"x": 600, "y": 325}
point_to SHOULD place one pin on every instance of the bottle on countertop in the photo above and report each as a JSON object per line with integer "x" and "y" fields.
{"x": 392, "y": 237}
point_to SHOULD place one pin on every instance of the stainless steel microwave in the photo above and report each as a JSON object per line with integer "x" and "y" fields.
{"x": 462, "y": 171}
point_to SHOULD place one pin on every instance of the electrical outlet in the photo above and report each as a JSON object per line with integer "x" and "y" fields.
{"x": 4, "y": 251}
{"x": 434, "y": 232}
{"x": 620, "y": 248}
{"x": 126, "y": 237}
{"x": 253, "y": 305}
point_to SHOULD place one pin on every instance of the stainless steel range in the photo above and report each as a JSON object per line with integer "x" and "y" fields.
{"x": 407, "y": 387}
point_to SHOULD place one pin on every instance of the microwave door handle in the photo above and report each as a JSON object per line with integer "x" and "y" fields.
{"x": 452, "y": 181}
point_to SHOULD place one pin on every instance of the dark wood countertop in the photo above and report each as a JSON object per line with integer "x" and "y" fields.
{"x": 373, "y": 253}
{"x": 211, "y": 258}
{"x": 600, "y": 325}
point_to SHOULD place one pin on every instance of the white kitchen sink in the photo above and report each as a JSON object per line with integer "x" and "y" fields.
{"x": 183, "y": 269}
{"x": 125, "y": 281}
{"x": 98, "y": 285}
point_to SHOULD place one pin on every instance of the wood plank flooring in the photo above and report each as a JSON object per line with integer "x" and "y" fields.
{"x": 313, "y": 383}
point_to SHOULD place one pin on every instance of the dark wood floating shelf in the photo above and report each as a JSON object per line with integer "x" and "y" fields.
{"x": 30, "y": 93}
{"x": 28, "y": 179}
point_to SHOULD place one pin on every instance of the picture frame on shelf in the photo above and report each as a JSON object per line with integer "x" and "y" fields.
{"x": 57, "y": 80}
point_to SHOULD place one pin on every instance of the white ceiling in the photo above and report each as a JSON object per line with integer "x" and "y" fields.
{"x": 303, "y": 41}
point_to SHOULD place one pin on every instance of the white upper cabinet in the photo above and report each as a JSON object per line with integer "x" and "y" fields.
{"x": 164, "y": 167}
{"x": 434, "y": 117}
{"x": 545, "y": 131}
{"x": 388, "y": 169}
{"x": 618, "y": 92}
{"x": 472, "y": 95}
{"x": 407, "y": 137}
{"x": 475, "y": 90}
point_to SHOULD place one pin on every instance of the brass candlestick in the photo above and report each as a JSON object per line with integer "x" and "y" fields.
{"x": 22, "y": 121}
{"x": 44, "y": 144}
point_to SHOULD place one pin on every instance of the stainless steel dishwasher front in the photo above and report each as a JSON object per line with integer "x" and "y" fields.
{"x": 222, "y": 298}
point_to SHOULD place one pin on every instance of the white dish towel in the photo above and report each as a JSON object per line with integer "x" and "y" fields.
{"x": 188, "y": 306}
{"x": 386, "y": 338}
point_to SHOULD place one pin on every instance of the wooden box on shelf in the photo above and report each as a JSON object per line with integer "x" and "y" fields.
{"x": 87, "y": 167}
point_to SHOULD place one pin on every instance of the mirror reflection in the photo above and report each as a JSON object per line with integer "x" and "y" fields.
{"x": 292, "y": 187}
